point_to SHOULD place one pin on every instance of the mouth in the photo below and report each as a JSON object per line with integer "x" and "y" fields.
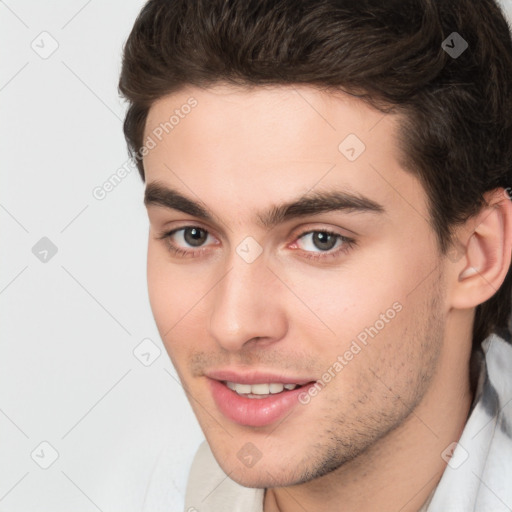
{"x": 256, "y": 404}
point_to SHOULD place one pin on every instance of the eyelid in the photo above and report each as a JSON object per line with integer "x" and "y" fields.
{"x": 324, "y": 227}
{"x": 165, "y": 232}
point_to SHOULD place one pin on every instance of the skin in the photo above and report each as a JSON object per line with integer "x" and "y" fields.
{"x": 406, "y": 395}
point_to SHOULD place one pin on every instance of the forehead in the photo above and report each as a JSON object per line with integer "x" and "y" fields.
{"x": 265, "y": 144}
{"x": 282, "y": 117}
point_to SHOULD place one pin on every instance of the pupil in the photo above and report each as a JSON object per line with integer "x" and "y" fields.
{"x": 324, "y": 240}
{"x": 194, "y": 236}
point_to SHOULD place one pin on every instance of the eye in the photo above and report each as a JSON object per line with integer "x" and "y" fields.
{"x": 191, "y": 241}
{"x": 320, "y": 244}
{"x": 179, "y": 239}
{"x": 193, "y": 236}
{"x": 321, "y": 240}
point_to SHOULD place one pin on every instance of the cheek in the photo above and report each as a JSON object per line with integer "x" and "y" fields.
{"x": 371, "y": 312}
{"x": 343, "y": 302}
{"x": 177, "y": 297}
{"x": 169, "y": 290}
{"x": 159, "y": 290}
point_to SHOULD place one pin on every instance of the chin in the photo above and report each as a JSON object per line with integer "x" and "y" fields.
{"x": 261, "y": 479}
{"x": 254, "y": 480}
{"x": 271, "y": 471}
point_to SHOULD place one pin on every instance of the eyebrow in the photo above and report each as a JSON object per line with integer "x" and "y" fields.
{"x": 157, "y": 194}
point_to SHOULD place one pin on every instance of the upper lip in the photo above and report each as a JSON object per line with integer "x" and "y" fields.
{"x": 255, "y": 377}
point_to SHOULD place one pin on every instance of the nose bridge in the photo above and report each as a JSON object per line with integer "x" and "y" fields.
{"x": 243, "y": 307}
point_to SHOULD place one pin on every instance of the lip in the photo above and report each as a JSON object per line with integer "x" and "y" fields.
{"x": 256, "y": 377}
{"x": 255, "y": 412}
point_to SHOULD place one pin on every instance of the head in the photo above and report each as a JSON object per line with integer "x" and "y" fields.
{"x": 336, "y": 176}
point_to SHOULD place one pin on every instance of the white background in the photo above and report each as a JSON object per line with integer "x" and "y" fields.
{"x": 69, "y": 325}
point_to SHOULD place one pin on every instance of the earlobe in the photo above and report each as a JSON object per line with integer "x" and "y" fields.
{"x": 485, "y": 263}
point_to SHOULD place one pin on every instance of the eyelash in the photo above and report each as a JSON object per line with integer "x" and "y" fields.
{"x": 348, "y": 243}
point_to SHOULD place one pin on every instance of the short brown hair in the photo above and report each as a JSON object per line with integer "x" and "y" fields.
{"x": 457, "y": 134}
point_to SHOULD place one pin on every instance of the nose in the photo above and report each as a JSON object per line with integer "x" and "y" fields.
{"x": 246, "y": 306}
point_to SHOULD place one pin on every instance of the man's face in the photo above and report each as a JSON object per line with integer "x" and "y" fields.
{"x": 247, "y": 303}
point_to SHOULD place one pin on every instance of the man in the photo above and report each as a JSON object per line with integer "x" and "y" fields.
{"x": 328, "y": 190}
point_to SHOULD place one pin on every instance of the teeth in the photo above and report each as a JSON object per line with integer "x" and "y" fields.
{"x": 259, "y": 389}
{"x": 276, "y": 388}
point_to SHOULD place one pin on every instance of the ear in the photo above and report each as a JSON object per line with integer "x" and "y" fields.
{"x": 484, "y": 253}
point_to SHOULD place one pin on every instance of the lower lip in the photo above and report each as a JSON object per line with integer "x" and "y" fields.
{"x": 254, "y": 412}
